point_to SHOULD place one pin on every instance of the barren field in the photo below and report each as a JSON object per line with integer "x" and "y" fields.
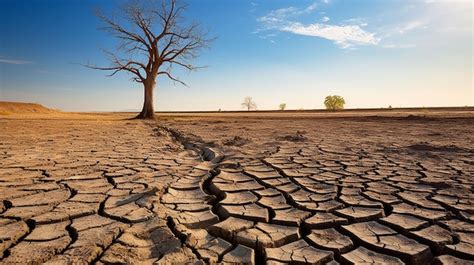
{"x": 351, "y": 188}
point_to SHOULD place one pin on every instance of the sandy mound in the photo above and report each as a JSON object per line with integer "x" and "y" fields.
{"x": 7, "y": 108}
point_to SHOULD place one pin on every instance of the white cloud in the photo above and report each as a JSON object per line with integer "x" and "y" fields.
{"x": 310, "y": 8}
{"x": 412, "y": 25}
{"x": 357, "y": 21}
{"x": 346, "y": 36}
{"x": 283, "y": 14}
{"x": 400, "y": 28}
{"x": 278, "y": 15}
{"x": 13, "y": 61}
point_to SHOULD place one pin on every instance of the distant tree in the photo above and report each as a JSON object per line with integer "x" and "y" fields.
{"x": 334, "y": 102}
{"x": 282, "y": 106}
{"x": 249, "y": 104}
{"x": 154, "y": 39}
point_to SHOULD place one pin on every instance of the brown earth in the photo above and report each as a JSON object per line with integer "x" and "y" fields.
{"x": 360, "y": 187}
{"x": 9, "y": 108}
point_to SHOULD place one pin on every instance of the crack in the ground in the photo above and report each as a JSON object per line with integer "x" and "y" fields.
{"x": 350, "y": 171}
{"x": 31, "y": 224}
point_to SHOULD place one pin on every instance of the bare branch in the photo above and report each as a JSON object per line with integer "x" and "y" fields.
{"x": 141, "y": 52}
{"x": 172, "y": 78}
{"x": 188, "y": 66}
{"x": 119, "y": 32}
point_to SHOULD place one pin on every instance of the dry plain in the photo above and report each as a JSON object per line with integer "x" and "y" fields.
{"x": 352, "y": 187}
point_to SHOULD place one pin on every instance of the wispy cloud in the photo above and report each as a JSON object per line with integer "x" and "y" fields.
{"x": 13, "y": 61}
{"x": 310, "y": 8}
{"x": 344, "y": 35}
{"x": 360, "y": 21}
{"x": 253, "y": 7}
{"x": 393, "y": 35}
{"x": 283, "y": 14}
{"x": 411, "y": 25}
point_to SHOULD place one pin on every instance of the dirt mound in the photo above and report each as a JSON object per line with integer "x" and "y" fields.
{"x": 7, "y": 108}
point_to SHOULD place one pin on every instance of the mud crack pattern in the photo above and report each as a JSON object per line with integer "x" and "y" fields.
{"x": 134, "y": 192}
{"x": 88, "y": 192}
{"x": 306, "y": 203}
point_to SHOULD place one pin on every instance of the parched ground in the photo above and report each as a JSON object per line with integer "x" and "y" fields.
{"x": 11, "y": 108}
{"x": 238, "y": 188}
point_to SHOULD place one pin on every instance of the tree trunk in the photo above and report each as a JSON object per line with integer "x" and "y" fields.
{"x": 147, "y": 111}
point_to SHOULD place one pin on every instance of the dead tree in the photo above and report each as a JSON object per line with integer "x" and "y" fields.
{"x": 249, "y": 104}
{"x": 153, "y": 38}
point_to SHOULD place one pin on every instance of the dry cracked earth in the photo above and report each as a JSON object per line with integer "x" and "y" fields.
{"x": 237, "y": 190}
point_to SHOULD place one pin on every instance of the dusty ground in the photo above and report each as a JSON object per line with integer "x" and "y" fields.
{"x": 10, "y": 108}
{"x": 245, "y": 188}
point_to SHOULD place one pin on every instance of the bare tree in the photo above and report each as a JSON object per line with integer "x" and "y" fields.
{"x": 154, "y": 38}
{"x": 249, "y": 104}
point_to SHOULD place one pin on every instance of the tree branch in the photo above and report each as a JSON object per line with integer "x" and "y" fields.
{"x": 176, "y": 43}
{"x": 172, "y": 78}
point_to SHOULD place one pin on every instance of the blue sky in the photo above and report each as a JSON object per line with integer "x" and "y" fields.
{"x": 374, "y": 53}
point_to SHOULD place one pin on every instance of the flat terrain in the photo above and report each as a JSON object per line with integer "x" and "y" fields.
{"x": 350, "y": 187}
